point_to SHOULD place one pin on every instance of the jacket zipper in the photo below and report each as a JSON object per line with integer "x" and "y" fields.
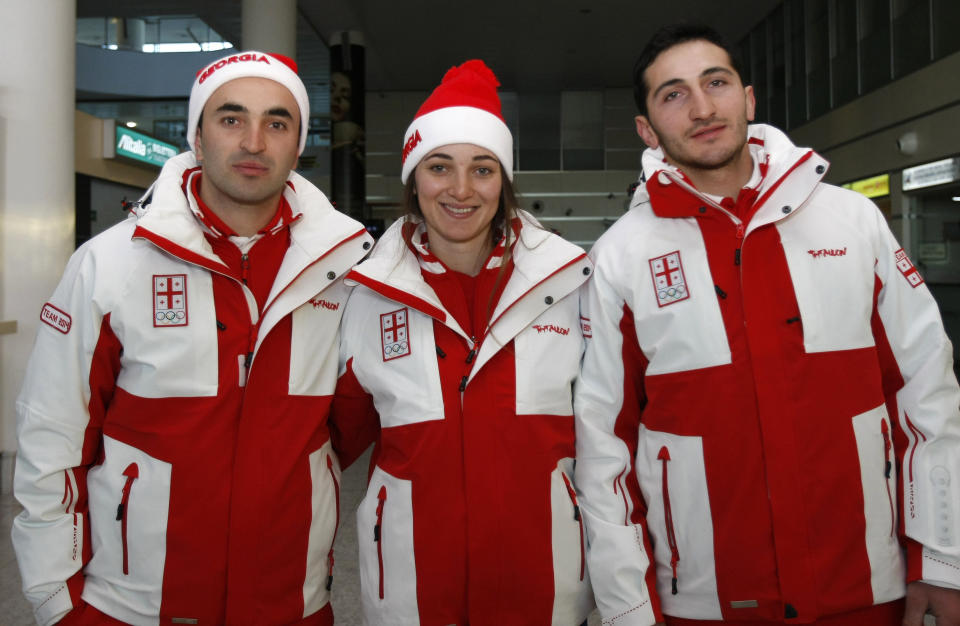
{"x": 378, "y": 533}
{"x": 576, "y": 516}
{"x": 132, "y": 473}
{"x": 336, "y": 527}
{"x": 664, "y": 456}
{"x": 887, "y": 467}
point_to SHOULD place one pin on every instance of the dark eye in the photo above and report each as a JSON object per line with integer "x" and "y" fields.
{"x": 670, "y": 96}
{"x": 439, "y": 168}
{"x": 484, "y": 171}
{"x": 279, "y": 125}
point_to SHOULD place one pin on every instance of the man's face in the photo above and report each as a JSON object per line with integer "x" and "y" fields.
{"x": 697, "y": 108}
{"x": 248, "y": 143}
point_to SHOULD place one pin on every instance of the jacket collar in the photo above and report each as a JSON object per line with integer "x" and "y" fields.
{"x": 791, "y": 175}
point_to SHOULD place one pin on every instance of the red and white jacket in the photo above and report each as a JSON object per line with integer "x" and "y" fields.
{"x": 174, "y": 459}
{"x": 470, "y": 515}
{"x": 766, "y": 413}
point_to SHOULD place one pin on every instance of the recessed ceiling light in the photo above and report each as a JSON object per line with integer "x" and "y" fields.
{"x": 956, "y": 198}
{"x": 131, "y": 124}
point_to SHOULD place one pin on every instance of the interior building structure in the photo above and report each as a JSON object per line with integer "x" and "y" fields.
{"x": 869, "y": 84}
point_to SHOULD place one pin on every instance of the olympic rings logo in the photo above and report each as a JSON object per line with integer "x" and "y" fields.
{"x": 672, "y": 293}
{"x": 170, "y": 316}
{"x": 395, "y": 348}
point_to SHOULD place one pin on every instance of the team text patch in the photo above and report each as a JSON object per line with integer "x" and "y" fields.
{"x": 394, "y": 335}
{"x": 52, "y": 316}
{"x": 585, "y": 327}
{"x": 907, "y": 269}
{"x": 170, "y": 300}
{"x": 669, "y": 282}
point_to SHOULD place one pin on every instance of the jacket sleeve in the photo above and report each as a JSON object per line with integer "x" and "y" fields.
{"x": 923, "y": 401}
{"x": 608, "y": 402}
{"x": 69, "y": 381}
{"x": 354, "y": 422}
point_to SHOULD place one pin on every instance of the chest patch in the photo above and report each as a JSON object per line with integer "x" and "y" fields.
{"x": 394, "y": 334}
{"x": 669, "y": 283}
{"x": 907, "y": 269}
{"x": 170, "y": 300}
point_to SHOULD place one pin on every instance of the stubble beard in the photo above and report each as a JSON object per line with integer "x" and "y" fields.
{"x": 675, "y": 152}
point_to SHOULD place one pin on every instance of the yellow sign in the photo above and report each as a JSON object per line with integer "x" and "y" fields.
{"x": 872, "y": 187}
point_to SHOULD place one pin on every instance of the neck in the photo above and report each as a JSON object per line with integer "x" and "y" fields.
{"x": 245, "y": 219}
{"x": 466, "y": 257}
{"x": 726, "y": 180}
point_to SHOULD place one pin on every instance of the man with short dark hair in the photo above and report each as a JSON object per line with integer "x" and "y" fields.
{"x": 767, "y": 416}
{"x": 175, "y": 462}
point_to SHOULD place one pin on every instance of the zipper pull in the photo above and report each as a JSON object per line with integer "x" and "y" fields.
{"x": 473, "y": 350}
{"x": 244, "y": 266}
{"x": 720, "y": 292}
{"x": 248, "y": 360}
{"x": 736, "y": 257}
{"x": 441, "y": 353}
{"x": 463, "y": 383}
{"x": 886, "y": 448}
{"x": 382, "y": 497}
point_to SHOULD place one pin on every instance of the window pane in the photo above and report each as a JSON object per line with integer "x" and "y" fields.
{"x": 539, "y": 131}
{"x": 874, "y": 44}
{"x": 946, "y": 26}
{"x": 797, "y": 85}
{"x": 911, "y": 35}
{"x": 818, "y": 56}
{"x": 778, "y": 87}
{"x": 581, "y": 121}
{"x": 758, "y": 52}
{"x": 845, "y": 59}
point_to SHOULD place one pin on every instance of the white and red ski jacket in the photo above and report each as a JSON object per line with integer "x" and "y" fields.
{"x": 174, "y": 459}
{"x": 470, "y": 515}
{"x": 766, "y": 413}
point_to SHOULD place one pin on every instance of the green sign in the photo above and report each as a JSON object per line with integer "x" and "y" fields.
{"x": 140, "y": 147}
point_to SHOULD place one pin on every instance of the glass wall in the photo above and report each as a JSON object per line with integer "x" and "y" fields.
{"x": 808, "y": 57}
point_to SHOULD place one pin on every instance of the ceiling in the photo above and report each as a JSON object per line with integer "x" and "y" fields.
{"x": 532, "y": 46}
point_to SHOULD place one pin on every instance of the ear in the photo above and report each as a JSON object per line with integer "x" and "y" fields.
{"x": 646, "y": 132}
{"x": 198, "y": 146}
{"x": 751, "y": 102}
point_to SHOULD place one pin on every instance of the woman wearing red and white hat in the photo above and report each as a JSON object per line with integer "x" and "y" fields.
{"x": 463, "y": 337}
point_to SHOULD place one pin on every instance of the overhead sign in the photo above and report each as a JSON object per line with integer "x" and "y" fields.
{"x": 873, "y": 187}
{"x": 140, "y": 147}
{"x": 930, "y": 174}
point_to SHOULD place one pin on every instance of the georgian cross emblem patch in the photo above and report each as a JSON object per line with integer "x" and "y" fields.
{"x": 394, "y": 334}
{"x": 669, "y": 283}
{"x": 907, "y": 269}
{"x": 169, "y": 300}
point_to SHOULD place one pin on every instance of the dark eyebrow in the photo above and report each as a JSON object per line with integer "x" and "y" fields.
{"x": 447, "y": 157}
{"x": 484, "y": 157}
{"x": 706, "y": 72}
{"x": 232, "y": 106}
{"x": 280, "y": 112}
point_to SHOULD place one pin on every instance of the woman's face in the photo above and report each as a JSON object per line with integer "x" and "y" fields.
{"x": 458, "y": 189}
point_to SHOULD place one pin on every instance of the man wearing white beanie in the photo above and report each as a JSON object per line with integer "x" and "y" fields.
{"x": 175, "y": 463}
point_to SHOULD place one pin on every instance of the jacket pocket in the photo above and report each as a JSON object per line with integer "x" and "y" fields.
{"x": 664, "y": 457}
{"x": 672, "y": 474}
{"x": 878, "y": 481}
{"x": 388, "y": 569}
{"x": 132, "y": 473}
{"x": 129, "y": 502}
{"x": 324, "y": 521}
{"x": 572, "y": 595}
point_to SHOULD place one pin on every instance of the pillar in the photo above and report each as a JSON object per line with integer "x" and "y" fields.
{"x": 269, "y": 26}
{"x": 36, "y": 184}
{"x": 348, "y": 170}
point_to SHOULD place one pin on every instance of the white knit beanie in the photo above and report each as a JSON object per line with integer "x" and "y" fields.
{"x": 276, "y": 67}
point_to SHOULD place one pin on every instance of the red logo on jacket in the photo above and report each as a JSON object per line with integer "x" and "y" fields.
{"x": 822, "y": 252}
{"x": 907, "y": 269}
{"x": 170, "y": 300}
{"x": 669, "y": 283}
{"x": 319, "y": 303}
{"x": 52, "y": 316}
{"x": 551, "y": 328}
{"x": 394, "y": 335}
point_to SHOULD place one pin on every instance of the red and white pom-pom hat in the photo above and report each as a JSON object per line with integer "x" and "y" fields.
{"x": 464, "y": 108}
{"x": 251, "y": 63}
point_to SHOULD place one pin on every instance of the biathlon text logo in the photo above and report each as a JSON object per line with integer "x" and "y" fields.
{"x": 817, "y": 254}
{"x": 551, "y": 328}
{"x": 325, "y": 304}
